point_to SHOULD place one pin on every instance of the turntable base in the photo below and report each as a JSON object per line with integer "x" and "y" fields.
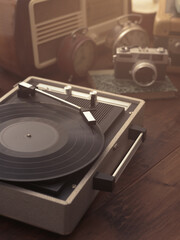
{"x": 53, "y": 162}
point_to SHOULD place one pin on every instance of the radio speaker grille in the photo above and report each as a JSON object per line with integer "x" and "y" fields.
{"x": 50, "y": 21}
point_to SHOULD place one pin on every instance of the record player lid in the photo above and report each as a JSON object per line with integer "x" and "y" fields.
{"x": 44, "y": 141}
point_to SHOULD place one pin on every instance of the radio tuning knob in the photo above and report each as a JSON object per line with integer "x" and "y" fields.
{"x": 93, "y": 98}
{"x": 68, "y": 90}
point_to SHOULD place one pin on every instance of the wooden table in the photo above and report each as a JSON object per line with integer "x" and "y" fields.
{"x": 145, "y": 204}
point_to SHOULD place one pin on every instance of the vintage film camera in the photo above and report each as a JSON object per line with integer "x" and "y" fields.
{"x": 166, "y": 31}
{"x": 144, "y": 66}
{"x": 31, "y": 30}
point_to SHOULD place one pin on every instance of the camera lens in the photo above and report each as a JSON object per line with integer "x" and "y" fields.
{"x": 144, "y": 74}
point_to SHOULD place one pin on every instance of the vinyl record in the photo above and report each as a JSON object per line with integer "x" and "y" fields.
{"x": 44, "y": 141}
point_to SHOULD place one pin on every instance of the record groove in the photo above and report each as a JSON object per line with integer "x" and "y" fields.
{"x": 44, "y": 141}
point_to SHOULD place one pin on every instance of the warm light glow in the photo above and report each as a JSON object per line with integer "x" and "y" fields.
{"x": 144, "y": 6}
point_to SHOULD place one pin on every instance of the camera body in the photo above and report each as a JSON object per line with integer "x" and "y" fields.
{"x": 144, "y": 66}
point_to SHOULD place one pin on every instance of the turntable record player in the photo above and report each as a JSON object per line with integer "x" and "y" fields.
{"x": 59, "y": 146}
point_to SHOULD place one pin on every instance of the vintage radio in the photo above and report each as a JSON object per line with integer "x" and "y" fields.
{"x": 167, "y": 31}
{"x": 31, "y": 30}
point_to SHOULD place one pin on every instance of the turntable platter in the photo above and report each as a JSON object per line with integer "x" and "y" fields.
{"x": 44, "y": 141}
